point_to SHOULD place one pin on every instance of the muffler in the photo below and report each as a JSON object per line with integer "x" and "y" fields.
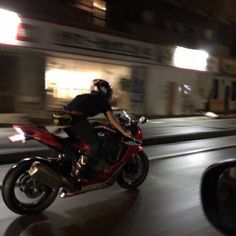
{"x": 49, "y": 177}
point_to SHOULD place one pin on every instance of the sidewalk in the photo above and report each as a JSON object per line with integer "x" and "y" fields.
{"x": 190, "y": 128}
{"x": 186, "y": 137}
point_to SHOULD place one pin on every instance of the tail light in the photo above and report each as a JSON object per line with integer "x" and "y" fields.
{"x": 17, "y": 137}
{"x": 9, "y": 22}
{"x": 18, "y": 129}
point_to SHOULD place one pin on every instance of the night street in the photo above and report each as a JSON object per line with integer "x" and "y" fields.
{"x": 166, "y": 204}
{"x": 140, "y": 92}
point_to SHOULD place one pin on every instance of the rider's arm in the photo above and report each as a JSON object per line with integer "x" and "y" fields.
{"x": 112, "y": 119}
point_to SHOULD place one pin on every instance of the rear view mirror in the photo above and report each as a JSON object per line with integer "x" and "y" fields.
{"x": 142, "y": 120}
{"x": 218, "y": 196}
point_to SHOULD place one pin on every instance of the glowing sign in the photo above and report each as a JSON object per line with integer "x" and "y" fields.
{"x": 26, "y": 32}
{"x": 190, "y": 59}
{"x": 9, "y": 22}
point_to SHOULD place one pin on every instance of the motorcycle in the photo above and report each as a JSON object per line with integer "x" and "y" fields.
{"x": 32, "y": 184}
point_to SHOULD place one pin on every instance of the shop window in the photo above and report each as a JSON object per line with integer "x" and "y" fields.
{"x": 99, "y": 12}
{"x": 67, "y": 78}
{"x": 86, "y": 5}
{"x": 97, "y": 8}
{"x": 100, "y": 5}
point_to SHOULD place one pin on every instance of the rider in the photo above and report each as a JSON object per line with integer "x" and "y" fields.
{"x": 89, "y": 105}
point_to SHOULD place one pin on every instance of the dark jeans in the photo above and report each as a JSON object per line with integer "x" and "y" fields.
{"x": 82, "y": 129}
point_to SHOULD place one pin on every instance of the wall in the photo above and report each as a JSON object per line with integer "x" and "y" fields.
{"x": 163, "y": 86}
{"x": 31, "y": 84}
{"x": 8, "y": 80}
{"x": 225, "y": 82}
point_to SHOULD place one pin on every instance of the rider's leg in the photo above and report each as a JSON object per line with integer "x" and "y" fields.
{"x": 86, "y": 133}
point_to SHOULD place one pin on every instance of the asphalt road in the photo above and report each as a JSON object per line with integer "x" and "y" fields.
{"x": 166, "y": 204}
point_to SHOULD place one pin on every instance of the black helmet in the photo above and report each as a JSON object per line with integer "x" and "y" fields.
{"x": 103, "y": 87}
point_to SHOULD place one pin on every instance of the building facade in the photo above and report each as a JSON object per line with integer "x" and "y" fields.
{"x": 47, "y": 64}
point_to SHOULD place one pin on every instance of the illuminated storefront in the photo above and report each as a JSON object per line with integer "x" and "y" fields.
{"x": 66, "y": 78}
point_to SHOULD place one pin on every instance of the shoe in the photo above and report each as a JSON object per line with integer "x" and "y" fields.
{"x": 77, "y": 169}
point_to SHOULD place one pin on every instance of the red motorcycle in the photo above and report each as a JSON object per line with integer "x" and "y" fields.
{"x": 32, "y": 184}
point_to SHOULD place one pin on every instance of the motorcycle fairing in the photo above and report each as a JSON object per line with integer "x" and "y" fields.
{"x": 107, "y": 178}
{"x": 42, "y": 135}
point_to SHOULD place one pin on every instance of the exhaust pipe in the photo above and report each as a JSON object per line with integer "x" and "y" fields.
{"x": 49, "y": 177}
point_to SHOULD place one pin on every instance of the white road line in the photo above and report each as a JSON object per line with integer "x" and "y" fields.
{"x": 157, "y": 122}
{"x": 191, "y": 152}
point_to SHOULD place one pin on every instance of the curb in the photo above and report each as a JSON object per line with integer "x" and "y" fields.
{"x": 201, "y": 150}
{"x": 187, "y": 137}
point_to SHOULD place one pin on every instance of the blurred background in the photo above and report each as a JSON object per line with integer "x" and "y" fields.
{"x": 164, "y": 57}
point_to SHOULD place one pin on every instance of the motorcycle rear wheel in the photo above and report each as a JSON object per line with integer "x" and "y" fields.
{"x": 134, "y": 172}
{"x": 33, "y": 198}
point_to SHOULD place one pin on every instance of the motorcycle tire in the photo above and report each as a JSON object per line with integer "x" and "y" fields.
{"x": 126, "y": 178}
{"x": 20, "y": 173}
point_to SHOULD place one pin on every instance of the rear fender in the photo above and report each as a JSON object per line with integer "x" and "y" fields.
{"x": 37, "y": 132}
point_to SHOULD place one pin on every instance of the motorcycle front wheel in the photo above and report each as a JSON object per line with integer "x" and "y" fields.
{"x": 23, "y": 194}
{"x": 134, "y": 172}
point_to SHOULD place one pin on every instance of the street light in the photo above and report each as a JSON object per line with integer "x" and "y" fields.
{"x": 9, "y": 22}
{"x": 190, "y": 59}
